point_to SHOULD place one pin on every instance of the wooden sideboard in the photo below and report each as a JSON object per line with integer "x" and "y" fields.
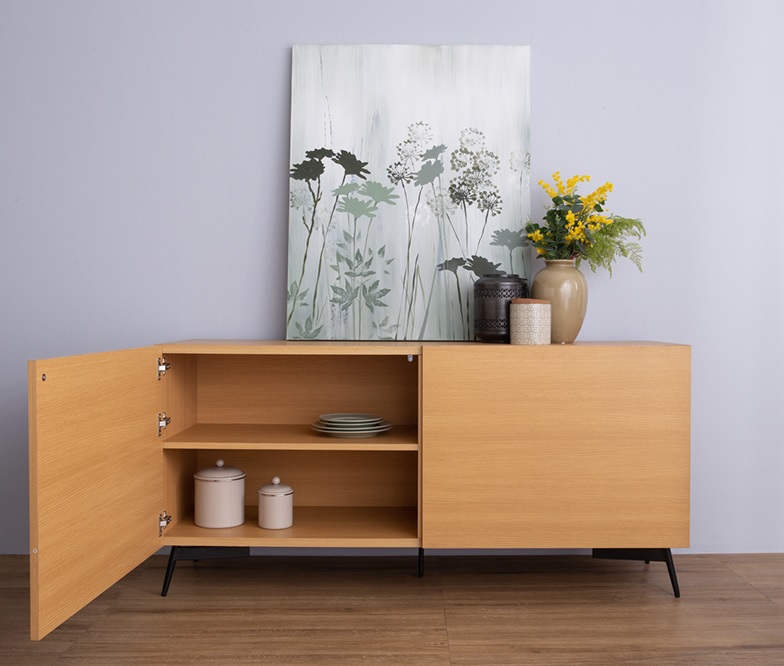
{"x": 493, "y": 446}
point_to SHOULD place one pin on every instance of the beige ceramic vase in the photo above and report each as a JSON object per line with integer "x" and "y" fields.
{"x": 562, "y": 283}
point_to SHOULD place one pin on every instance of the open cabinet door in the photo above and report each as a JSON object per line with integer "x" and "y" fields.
{"x": 96, "y": 477}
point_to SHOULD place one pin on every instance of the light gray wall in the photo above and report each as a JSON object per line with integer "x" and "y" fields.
{"x": 144, "y": 192}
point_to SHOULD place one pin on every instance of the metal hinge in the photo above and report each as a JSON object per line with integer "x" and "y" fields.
{"x": 163, "y": 421}
{"x": 163, "y": 521}
{"x": 163, "y": 366}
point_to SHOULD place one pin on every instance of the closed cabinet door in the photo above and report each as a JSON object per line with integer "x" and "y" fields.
{"x": 556, "y": 446}
{"x": 96, "y": 477}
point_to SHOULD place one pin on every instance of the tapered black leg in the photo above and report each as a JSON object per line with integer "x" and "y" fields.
{"x": 421, "y": 567}
{"x": 199, "y": 553}
{"x": 645, "y": 555}
{"x": 671, "y": 570}
{"x": 169, "y": 571}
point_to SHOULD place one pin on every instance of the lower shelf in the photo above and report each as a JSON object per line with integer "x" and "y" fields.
{"x": 314, "y": 526}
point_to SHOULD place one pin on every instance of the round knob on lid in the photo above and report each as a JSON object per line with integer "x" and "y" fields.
{"x": 276, "y": 480}
{"x": 219, "y": 462}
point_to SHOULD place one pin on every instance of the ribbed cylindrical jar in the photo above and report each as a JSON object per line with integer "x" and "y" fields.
{"x": 492, "y": 295}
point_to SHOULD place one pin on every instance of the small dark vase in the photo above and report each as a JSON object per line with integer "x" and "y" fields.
{"x": 492, "y": 295}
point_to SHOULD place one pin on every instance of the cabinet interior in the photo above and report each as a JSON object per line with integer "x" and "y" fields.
{"x": 255, "y": 412}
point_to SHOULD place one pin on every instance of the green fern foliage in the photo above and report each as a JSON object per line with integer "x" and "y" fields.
{"x": 618, "y": 239}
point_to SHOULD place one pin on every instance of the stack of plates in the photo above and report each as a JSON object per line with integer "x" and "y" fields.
{"x": 351, "y": 425}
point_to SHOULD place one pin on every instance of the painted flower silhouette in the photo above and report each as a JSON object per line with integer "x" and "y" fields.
{"x": 481, "y": 266}
{"x": 320, "y": 153}
{"x": 440, "y": 203}
{"x": 509, "y": 239}
{"x": 490, "y": 201}
{"x": 309, "y": 169}
{"x": 357, "y": 207}
{"x": 378, "y": 192}
{"x": 399, "y": 173}
{"x": 351, "y": 164}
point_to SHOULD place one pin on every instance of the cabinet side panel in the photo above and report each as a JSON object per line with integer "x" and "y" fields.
{"x": 179, "y": 402}
{"x": 556, "y": 446}
{"x": 96, "y": 477}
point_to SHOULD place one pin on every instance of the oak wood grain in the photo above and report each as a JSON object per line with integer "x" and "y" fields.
{"x": 96, "y": 477}
{"x": 556, "y": 447}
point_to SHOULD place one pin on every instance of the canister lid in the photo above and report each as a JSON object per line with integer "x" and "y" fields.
{"x": 275, "y": 488}
{"x": 529, "y": 301}
{"x": 219, "y": 473}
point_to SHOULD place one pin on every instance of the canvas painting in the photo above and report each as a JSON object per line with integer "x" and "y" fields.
{"x": 409, "y": 180}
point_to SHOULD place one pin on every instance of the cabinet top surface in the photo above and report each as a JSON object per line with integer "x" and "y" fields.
{"x": 340, "y": 347}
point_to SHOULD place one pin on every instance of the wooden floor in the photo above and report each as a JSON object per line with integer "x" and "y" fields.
{"x": 375, "y": 610}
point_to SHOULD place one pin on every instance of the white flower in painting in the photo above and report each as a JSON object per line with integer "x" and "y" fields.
{"x": 520, "y": 161}
{"x": 440, "y": 203}
{"x": 408, "y": 151}
{"x": 487, "y": 162}
{"x": 420, "y": 134}
{"x": 300, "y": 197}
{"x": 472, "y": 140}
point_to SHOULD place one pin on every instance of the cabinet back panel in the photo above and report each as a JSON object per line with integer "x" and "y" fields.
{"x": 291, "y": 389}
{"x": 350, "y": 478}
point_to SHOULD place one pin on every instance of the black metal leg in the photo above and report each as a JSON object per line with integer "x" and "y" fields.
{"x": 199, "y": 553}
{"x": 671, "y": 570}
{"x": 421, "y": 569}
{"x": 646, "y": 555}
{"x": 169, "y": 571}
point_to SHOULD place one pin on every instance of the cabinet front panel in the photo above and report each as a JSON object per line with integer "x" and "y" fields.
{"x": 558, "y": 446}
{"x": 96, "y": 484}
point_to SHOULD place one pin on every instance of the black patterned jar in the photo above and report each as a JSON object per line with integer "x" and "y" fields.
{"x": 492, "y": 295}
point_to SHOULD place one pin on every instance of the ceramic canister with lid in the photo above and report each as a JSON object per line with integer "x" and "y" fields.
{"x": 276, "y": 505}
{"x": 219, "y": 496}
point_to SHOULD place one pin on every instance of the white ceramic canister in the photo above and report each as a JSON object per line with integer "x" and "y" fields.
{"x": 219, "y": 496}
{"x": 529, "y": 321}
{"x": 276, "y": 505}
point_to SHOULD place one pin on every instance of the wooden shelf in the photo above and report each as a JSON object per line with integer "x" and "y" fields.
{"x": 287, "y": 437}
{"x": 314, "y": 526}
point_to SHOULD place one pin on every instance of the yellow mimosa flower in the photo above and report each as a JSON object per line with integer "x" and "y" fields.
{"x": 559, "y": 183}
{"x": 574, "y": 225}
{"x": 547, "y": 188}
{"x": 571, "y": 184}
